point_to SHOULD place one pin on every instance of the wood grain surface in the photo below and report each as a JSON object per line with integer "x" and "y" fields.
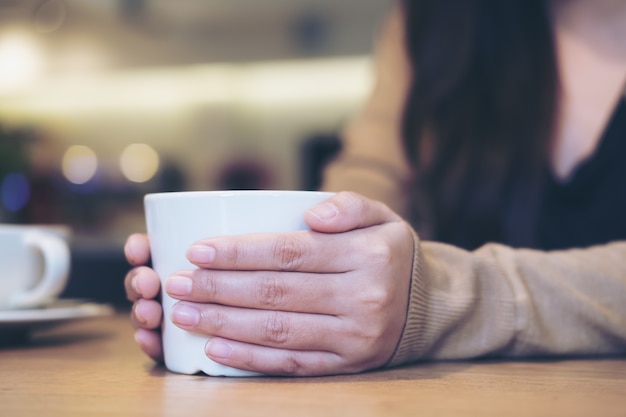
{"x": 94, "y": 368}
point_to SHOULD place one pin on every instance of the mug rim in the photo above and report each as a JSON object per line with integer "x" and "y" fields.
{"x": 233, "y": 194}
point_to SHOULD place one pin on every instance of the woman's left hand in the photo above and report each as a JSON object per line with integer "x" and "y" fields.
{"x": 326, "y": 301}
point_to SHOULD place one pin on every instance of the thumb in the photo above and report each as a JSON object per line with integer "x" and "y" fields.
{"x": 347, "y": 211}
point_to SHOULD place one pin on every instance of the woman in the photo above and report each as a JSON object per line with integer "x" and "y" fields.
{"x": 497, "y": 128}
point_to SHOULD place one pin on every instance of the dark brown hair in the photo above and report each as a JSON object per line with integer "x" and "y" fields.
{"x": 479, "y": 115}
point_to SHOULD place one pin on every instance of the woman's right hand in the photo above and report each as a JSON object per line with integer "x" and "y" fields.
{"x": 142, "y": 288}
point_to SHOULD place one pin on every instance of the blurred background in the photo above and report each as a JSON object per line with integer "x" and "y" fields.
{"x": 103, "y": 101}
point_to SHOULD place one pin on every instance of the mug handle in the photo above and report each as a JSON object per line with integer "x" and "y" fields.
{"x": 56, "y": 256}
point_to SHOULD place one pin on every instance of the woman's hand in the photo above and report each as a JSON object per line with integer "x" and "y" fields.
{"x": 326, "y": 301}
{"x": 142, "y": 288}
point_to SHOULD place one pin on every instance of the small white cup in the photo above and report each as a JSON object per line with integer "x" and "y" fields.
{"x": 34, "y": 264}
{"x": 176, "y": 220}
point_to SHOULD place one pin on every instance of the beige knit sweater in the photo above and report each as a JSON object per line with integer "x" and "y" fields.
{"x": 494, "y": 301}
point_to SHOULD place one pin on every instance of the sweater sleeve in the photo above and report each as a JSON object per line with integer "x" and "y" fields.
{"x": 504, "y": 302}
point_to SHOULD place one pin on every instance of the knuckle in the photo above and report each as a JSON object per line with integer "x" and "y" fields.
{"x": 213, "y": 320}
{"x": 373, "y": 336}
{"x": 349, "y": 197}
{"x": 288, "y": 253}
{"x": 275, "y": 329}
{"x": 270, "y": 292}
{"x": 379, "y": 254}
{"x": 232, "y": 254}
{"x": 377, "y": 299}
{"x": 292, "y": 365}
{"x": 354, "y": 201}
{"x": 249, "y": 359}
{"x": 370, "y": 342}
{"x": 208, "y": 284}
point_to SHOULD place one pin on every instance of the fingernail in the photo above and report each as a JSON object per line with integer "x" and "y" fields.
{"x": 134, "y": 282}
{"x": 178, "y": 285}
{"x": 185, "y": 315}
{"x": 141, "y": 338}
{"x": 140, "y": 314}
{"x": 324, "y": 211}
{"x": 129, "y": 253}
{"x": 201, "y": 254}
{"x": 218, "y": 349}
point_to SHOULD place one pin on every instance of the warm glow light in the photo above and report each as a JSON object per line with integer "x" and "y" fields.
{"x": 280, "y": 84}
{"x": 295, "y": 82}
{"x": 139, "y": 162}
{"x": 20, "y": 61}
{"x": 79, "y": 164}
{"x": 81, "y": 57}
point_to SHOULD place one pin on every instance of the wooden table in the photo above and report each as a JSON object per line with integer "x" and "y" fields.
{"x": 93, "y": 368}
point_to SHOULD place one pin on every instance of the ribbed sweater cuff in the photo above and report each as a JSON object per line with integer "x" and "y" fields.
{"x": 412, "y": 342}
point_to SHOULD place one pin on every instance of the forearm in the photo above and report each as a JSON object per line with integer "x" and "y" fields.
{"x": 498, "y": 301}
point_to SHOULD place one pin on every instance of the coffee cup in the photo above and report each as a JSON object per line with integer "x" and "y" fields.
{"x": 176, "y": 220}
{"x": 34, "y": 264}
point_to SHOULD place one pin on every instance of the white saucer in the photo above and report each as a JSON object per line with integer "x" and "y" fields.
{"x": 60, "y": 311}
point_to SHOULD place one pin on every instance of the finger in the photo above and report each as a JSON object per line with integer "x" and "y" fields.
{"x": 150, "y": 343}
{"x": 272, "y": 361}
{"x": 263, "y": 290}
{"x": 137, "y": 249}
{"x": 348, "y": 211}
{"x": 141, "y": 282}
{"x": 147, "y": 314}
{"x": 292, "y": 331}
{"x": 303, "y": 251}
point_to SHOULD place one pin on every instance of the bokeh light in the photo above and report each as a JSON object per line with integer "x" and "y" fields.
{"x": 15, "y": 191}
{"x": 80, "y": 164}
{"x": 139, "y": 162}
{"x": 21, "y": 61}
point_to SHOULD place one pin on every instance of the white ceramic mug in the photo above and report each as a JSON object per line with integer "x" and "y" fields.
{"x": 176, "y": 220}
{"x": 34, "y": 264}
